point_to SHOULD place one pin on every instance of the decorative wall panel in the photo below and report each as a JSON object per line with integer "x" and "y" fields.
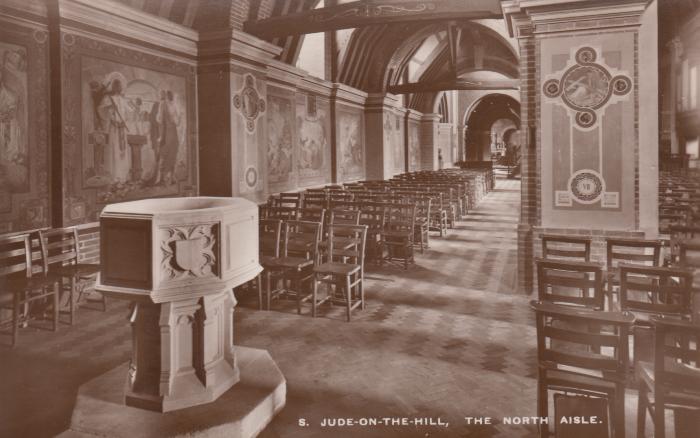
{"x": 351, "y": 148}
{"x": 313, "y": 134}
{"x": 413, "y": 146}
{"x": 588, "y": 123}
{"x": 249, "y": 125}
{"x": 129, "y": 127}
{"x": 280, "y": 142}
{"x": 24, "y": 140}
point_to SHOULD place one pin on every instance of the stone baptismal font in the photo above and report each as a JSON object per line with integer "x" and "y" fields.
{"x": 177, "y": 261}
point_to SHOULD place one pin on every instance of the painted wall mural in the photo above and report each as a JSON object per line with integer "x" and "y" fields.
{"x": 14, "y": 144}
{"x": 351, "y": 151}
{"x": 24, "y": 177}
{"x": 413, "y": 146}
{"x": 280, "y": 136}
{"x": 588, "y": 134}
{"x": 314, "y": 146}
{"x": 250, "y": 106}
{"x": 129, "y": 130}
{"x": 135, "y": 126}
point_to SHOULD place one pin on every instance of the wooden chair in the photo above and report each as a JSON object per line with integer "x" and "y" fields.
{"x": 20, "y": 286}
{"x": 284, "y": 213}
{"x": 422, "y": 225}
{"x": 60, "y": 248}
{"x": 344, "y": 270}
{"x": 647, "y": 291}
{"x": 672, "y": 381}
{"x": 295, "y": 270}
{"x": 637, "y": 251}
{"x": 689, "y": 258}
{"x": 680, "y": 234}
{"x": 566, "y": 247}
{"x": 397, "y": 236}
{"x": 585, "y": 352}
{"x": 289, "y": 200}
{"x": 373, "y": 215}
{"x": 271, "y": 232}
{"x": 570, "y": 283}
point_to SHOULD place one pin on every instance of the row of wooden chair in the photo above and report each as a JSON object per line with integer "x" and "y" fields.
{"x": 41, "y": 267}
{"x": 295, "y": 253}
{"x": 579, "y": 332}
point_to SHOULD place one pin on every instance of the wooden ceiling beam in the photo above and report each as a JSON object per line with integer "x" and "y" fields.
{"x": 458, "y": 84}
{"x": 371, "y": 12}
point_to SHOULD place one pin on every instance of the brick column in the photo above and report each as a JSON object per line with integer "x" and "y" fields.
{"x": 429, "y": 141}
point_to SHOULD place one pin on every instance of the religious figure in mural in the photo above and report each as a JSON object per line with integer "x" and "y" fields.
{"x": 14, "y": 166}
{"x": 279, "y": 147}
{"x": 135, "y": 127}
{"x": 351, "y": 159}
{"x": 312, "y": 144}
{"x": 113, "y": 111}
{"x": 169, "y": 119}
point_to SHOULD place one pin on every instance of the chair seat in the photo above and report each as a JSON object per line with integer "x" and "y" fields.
{"x": 79, "y": 270}
{"x": 293, "y": 262}
{"x": 573, "y": 379}
{"x": 337, "y": 268}
{"x": 398, "y": 234}
{"x": 268, "y": 261}
{"x": 645, "y": 370}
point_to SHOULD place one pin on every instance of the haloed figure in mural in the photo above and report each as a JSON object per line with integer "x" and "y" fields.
{"x": 113, "y": 110}
{"x": 135, "y": 129}
{"x": 13, "y": 120}
{"x": 169, "y": 119}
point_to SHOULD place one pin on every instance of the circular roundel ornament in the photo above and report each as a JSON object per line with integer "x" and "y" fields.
{"x": 585, "y": 55}
{"x": 586, "y": 118}
{"x": 586, "y": 86}
{"x": 551, "y": 88}
{"x": 251, "y": 177}
{"x": 586, "y": 186}
{"x": 621, "y": 85}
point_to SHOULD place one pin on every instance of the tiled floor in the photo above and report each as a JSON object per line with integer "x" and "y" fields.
{"x": 449, "y": 338}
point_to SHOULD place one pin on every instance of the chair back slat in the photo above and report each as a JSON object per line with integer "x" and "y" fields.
{"x": 646, "y": 252}
{"x": 677, "y": 355}
{"x": 566, "y": 247}
{"x": 574, "y": 337}
{"x": 270, "y": 234}
{"x": 655, "y": 290}
{"x": 303, "y": 238}
{"x": 346, "y": 217}
{"x": 574, "y": 283}
{"x": 59, "y": 246}
{"x": 15, "y": 255}
{"x": 354, "y": 255}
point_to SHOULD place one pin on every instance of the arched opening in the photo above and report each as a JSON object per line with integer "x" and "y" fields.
{"x": 486, "y": 123}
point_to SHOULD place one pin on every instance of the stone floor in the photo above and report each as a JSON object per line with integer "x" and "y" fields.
{"x": 449, "y": 338}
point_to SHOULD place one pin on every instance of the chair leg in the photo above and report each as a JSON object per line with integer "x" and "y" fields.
{"x": 15, "y": 318}
{"x": 362, "y": 290}
{"x": 642, "y": 410}
{"x": 542, "y": 407}
{"x": 56, "y": 292}
{"x": 348, "y": 295}
{"x": 659, "y": 416}
{"x": 620, "y": 412}
{"x": 297, "y": 291}
{"x": 268, "y": 290}
{"x": 260, "y": 291}
{"x": 71, "y": 305}
{"x": 313, "y": 295}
